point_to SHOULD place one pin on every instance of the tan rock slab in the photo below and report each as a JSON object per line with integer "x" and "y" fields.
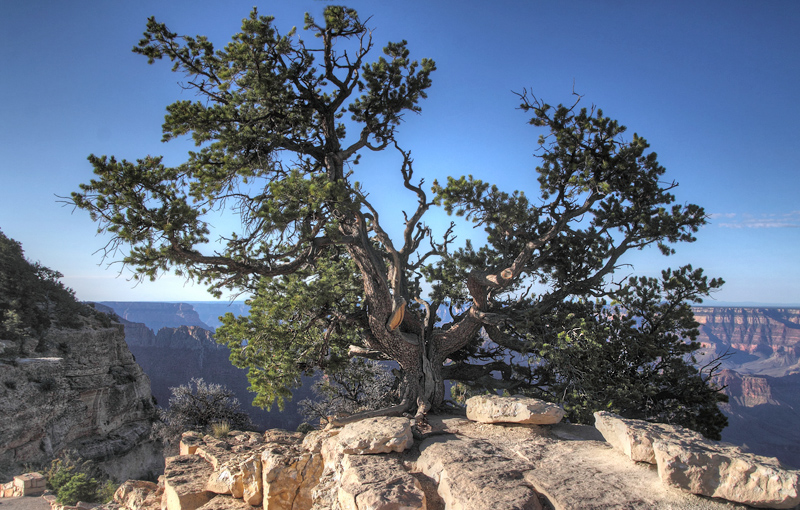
{"x": 189, "y": 442}
{"x": 378, "y": 483}
{"x": 635, "y": 438}
{"x": 227, "y": 479}
{"x": 250, "y": 468}
{"x": 473, "y": 474}
{"x": 718, "y": 471}
{"x": 516, "y": 409}
{"x": 225, "y": 502}
{"x": 280, "y": 436}
{"x": 215, "y": 451}
{"x": 234, "y": 473}
{"x": 185, "y": 478}
{"x": 137, "y": 494}
{"x": 375, "y": 435}
{"x": 30, "y": 484}
{"x": 591, "y": 475}
{"x": 314, "y": 440}
{"x": 290, "y": 475}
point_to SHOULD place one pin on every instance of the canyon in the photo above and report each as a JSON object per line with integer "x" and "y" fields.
{"x": 756, "y": 348}
{"x": 173, "y": 344}
{"x": 757, "y": 351}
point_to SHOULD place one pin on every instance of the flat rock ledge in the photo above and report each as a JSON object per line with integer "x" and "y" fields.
{"x": 516, "y": 409}
{"x": 689, "y": 462}
{"x": 459, "y": 464}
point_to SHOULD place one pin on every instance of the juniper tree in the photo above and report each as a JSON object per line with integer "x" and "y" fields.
{"x": 279, "y": 123}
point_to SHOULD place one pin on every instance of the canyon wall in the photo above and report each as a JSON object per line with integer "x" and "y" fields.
{"x": 759, "y": 349}
{"x": 157, "y": 315}
{"x": 764, "y": 341}
{"x": 76, "y": 389}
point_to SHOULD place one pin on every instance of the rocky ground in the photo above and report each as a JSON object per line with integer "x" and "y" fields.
{"x": 466, "y": 463}
{"x": 508, "y": 453}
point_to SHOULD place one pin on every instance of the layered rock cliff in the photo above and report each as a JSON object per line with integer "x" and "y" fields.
{"x": 759, "y": 349}
{"x": 762, "y": 414}
{"x": 764, "y": 341}
{"x": 67, "y": 378}
{"x": 157, "y": 315}
{"x": 79, "y": 389}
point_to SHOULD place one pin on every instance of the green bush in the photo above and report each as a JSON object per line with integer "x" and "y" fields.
{"x": 106, "y": 492}
{"x": 32, "y": 299}
{"x": 73, "y": 480}
{"x": 78, "y": 488}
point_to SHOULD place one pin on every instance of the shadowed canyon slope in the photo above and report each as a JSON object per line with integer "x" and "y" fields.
{"x": 185, "y": 349}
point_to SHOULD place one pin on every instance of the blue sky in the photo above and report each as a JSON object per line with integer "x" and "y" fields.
{"x": 711, "y": 85}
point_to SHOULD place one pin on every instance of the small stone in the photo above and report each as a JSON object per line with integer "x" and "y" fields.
{"x": 189, "y": 442}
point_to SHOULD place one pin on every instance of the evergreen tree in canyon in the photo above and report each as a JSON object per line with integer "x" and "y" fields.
{"x": 542, "y": 308}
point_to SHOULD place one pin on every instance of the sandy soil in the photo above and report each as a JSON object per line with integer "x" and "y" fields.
{"x": 24, "y": 503}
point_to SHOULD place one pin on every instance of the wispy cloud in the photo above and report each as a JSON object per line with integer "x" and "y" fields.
{"x": 734, "y": 220}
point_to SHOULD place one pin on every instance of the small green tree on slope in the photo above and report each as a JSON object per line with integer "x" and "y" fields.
{"x": 328, "y": 282}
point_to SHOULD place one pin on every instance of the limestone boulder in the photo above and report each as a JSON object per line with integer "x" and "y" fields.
{"x": 236, "y": 463}
{"x": 30, "y": 484}
{"x": 472, "y": 473}
{"x": 250, "y": 468}
{"x": 215, "y": 451}
{"x": 185, "y": 478}
{"x": 375, "y": 435}
{"x": 515, "y": 409}
{"x": 378, "y": 483}
{"x": 710, "y": 469}
{"x": 189, "y": 442}
{"x": 635, "y": 438}
{"x": 688, "y": 461}
{"x": 290, "y": 475}
{"x": 226, "y": 479}
{"x": 279, "y": 436}
{"x": 313, "y": 441}
{"x": 138, "y": 494}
